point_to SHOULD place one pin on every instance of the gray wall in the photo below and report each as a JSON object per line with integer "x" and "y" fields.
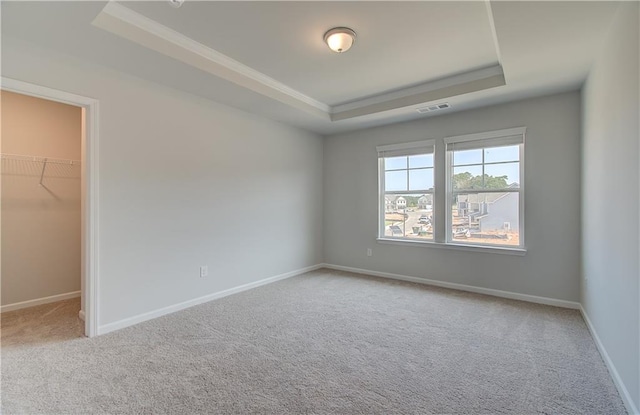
{"x": 186, "y": 182}
{"x": 610, "y": 288}
{"x": 550, "y": 268}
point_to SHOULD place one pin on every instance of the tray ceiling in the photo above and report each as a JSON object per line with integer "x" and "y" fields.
{"x": 269, "y": 57}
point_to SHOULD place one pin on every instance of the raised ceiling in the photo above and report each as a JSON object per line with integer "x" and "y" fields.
{"x": 420, "y": 41}
{"x": 269, "y": 57}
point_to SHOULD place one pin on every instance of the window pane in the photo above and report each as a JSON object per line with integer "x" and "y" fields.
{"x": 395, "y": 180}
{"x": 502, "y": 175}
{"x": 467, "y": 157}
{"x": 408, "y": 216}
{"x": 394, "y": 163}
{"x": 467, "y": 177}
{"x": 497, "y": 154}
{"x": 422, "y": 160}
{"x": 486, "y": 218}
{"x": 421, "y": 179}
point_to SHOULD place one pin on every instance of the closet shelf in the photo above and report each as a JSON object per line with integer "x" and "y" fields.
{"x": 38, "y": 159}
{"x": 41, "y": 167}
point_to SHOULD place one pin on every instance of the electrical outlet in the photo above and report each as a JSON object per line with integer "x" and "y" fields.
{"x": 369, "y": 252}
{"x": 204, "y": 271}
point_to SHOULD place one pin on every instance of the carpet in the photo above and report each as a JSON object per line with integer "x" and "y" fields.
{"x": 326, "y": 342}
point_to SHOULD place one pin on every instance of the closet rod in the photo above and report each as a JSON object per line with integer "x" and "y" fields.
{"x": 23, "y": 157}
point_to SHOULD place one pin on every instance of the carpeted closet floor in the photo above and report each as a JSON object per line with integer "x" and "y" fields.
{"x": 323, "y": 342}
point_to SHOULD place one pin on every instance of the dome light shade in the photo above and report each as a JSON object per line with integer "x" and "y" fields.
{"x": 340, "y": 39}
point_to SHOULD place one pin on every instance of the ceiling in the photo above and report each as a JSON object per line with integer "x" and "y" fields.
{"x": 284, "y": 41}
{"x": 269, "y": 57}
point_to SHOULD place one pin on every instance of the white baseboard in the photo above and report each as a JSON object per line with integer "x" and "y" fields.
{"x": 81, "y": 315}
{"x": 617, "y": 380}
{"x": 117, "y": 325}
{"x": 462, "y": 287}
{"x": 39, "y": 301}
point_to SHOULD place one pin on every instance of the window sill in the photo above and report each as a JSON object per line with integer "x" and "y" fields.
{"x": 454, "y": 246}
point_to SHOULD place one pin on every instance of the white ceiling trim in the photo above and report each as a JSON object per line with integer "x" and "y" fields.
{"x": 133, "y": 26}
{"x": 429, "y": 91}
{"x": 494, "y": 33}
{"x": 426, "y": 97}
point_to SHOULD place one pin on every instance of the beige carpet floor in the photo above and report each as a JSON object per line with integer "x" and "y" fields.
{"x": 323, "y": 342}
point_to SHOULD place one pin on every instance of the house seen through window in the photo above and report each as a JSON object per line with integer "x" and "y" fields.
{"x": 482, "y": 190}
{"x": 485, "y": 193}
{"x": 407, "y": 210}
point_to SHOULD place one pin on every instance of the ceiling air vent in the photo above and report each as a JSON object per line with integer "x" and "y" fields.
{"x": 435, "y": 107}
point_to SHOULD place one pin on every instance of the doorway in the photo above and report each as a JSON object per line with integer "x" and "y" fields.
{"x": 50, "y": 189}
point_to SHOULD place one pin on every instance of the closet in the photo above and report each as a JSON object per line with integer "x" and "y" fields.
{"x": 41, "y": 196}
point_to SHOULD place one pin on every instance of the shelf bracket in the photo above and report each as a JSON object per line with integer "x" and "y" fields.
{"x": 44, "y": 166}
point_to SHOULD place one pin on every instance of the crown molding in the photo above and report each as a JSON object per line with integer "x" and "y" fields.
{"x": 126, "y": 23}
{"x": 133, "y": 26}
{"x": 464, "y": 83}
{"x": 494, "y": 32}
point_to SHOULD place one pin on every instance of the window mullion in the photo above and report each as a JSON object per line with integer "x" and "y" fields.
{"x": 483, "y": 175}
{"x": 407, "y": 173}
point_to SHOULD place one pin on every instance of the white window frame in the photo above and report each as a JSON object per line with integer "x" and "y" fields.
{"x": 511, "y": 136}
{"x": 442, "y": 218}
{"x": 400, "y": 150}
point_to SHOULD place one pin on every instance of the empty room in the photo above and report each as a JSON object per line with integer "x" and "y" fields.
{"x": 320, "y": 207}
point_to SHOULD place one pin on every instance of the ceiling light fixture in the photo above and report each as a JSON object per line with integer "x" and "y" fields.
{"x": 176, "y": 3}
{"x": 340, "y": 39}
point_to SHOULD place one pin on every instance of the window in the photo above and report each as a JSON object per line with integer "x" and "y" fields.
{"x": 406, "y": 191}
{"x": 479, "y": 200}
{"x": 484, "y": 192}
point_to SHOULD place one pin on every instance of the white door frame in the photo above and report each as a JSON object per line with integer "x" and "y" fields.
{"x": 90, "y": 223}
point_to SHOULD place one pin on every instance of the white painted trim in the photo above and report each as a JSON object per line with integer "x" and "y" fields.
{"x": 495, "y": 249}
{"x": 487, "y": 137}
{"x": 81, "y": 315}
{"x": 408, "y": 97}
{"x": 122, "y": 21}
{"x": 461, "y": 287}
{"x": 119, "y": 20}
{"x": 406, "y": 146}
{"x": 382, "y": 209}
{"x": 117, "y": 325}
{"x": 507, "y": 132}
{"x": 420, "y": 89}
{"x": 494, "y": 32}
{"x": 39, "y": 301}
{"x": 617, "y": 380}
{"x": 90, "y": 272}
